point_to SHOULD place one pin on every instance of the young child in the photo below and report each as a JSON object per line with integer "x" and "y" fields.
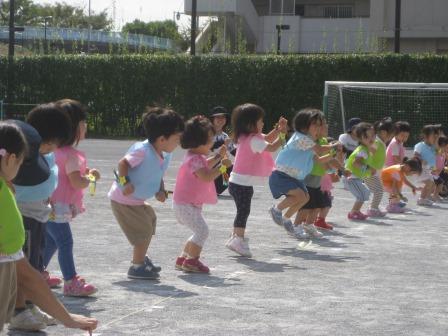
{"x": 219, "y": 119}
{"x": 358, "y": 165}
{"x": 393, "y": 178}
{"x": 67, "y": 200}
{"x": 426, "y": 151}
{"x": 384, "y": 130}
{"x": 195, "y": 187}
{"x": 348, "y": 139}
{"x": 140, "y": 177}
{"x": 395, "y": 151}
{"x": 253, "y": 164}
{"x": 439, "y": 173}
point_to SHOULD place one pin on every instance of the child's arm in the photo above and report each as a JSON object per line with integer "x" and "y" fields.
{"x": 272, "y": 147}
{"x": 215, "y": 159}
{"x": 410, "y": 185}
{"x": 280, "y": 128}
{"x": 208, "y": 175}
{"x": 77, "y": 180}
{"x": 123, "y": 170}
{"x": 162, "y": 194}
{"x": 324, "y": 149}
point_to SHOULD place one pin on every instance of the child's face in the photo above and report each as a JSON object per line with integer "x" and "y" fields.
{"x": 432, "y": 138}
{"x": 402, "y": 137}
{"x": 369, "y": 138}
{"x": 260, "y": 125}
{"x": 168, "y": 145}
{"x": 314, "y": 130}
{"x": 323, "y": 131}
{"x": 10, "y": 165}
{"x": 386, "y": 137}
{"x": 48, "y": 147}
{"x": 219, "y": 122}
{"x": 205, "y": 149}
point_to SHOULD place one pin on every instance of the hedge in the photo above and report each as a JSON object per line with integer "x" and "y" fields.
{"x": 117, "y": 88}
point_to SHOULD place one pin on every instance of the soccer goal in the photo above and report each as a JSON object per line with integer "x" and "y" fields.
{"x": 417, "y": 103}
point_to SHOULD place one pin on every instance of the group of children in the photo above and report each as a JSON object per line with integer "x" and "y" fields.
{"x": 370, "y": 159}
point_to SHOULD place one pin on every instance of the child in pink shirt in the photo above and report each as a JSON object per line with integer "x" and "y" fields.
{"x": 195, "y": 187}
{"x": 395, "y": 151}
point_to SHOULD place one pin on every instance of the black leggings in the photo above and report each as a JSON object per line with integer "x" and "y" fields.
{"x": 34, "y": 242}
{"x": 242, "y": 196}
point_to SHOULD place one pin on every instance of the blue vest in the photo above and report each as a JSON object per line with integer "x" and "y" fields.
{"x": 41, "y": 191}
{"x": 146, "y": 177}
{"x": 299, "y": 162}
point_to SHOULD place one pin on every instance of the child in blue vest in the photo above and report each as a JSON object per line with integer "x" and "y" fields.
{"x": 140, "y": 177}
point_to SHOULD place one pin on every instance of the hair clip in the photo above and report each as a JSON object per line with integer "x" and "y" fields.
{"x": 3, "y": 152}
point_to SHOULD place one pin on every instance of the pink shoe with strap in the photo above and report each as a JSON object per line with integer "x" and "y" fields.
{"x": 78, "y": 287}
{"x": 52, "y": 281}
{"x": 195, "y": 266}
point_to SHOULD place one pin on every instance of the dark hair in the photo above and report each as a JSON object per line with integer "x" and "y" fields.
{"x": 430, "y": 129}
{"x": 12, "y": 139}
{"x": 402, "y": 126}
{"x": 245, "y": 118}
{"x": 361, "y": 129}
{"x": 306, "y": 117}
{"x": 415, "y": 164}
{"x": 51, "y": 123}
{"x": 76, "y": 113}
{"x": 196, "y": 133}
{"x": 443, "y": 141}
{"x": 386, "y": 124}
{"x": 159, "y": 121}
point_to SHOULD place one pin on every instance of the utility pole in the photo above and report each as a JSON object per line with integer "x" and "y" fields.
{"x": 397, "y": 26}
{"x": 12, "y": 29}
{"x": 90, "y": 29}
{"x": 194, "y": 14}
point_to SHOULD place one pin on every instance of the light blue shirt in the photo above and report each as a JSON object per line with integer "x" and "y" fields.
{"x": 297, "y": 157}
{"x": 427, "y": 153}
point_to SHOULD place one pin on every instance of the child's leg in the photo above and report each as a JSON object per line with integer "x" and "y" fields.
{"x": 376, "y": 188}
{"x": 426, "y": 191}
{"x": 50, "y": 247}
{"x": 302, "y": 200}
{"x": 191, "y": 217}
{"x": 323, "y": 212}
{"x": 357, "y": 206}
{"x": 8, "y": 289}
{"x": 303, "y": 215}
{"x": 312, "y": 216}
{"x": 360, "y": 191}
{"x": 242, "y": 196}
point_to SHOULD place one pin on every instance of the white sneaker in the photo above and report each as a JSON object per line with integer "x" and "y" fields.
{"x": 312, "y": 231}
{"x": 43, "y": 317}
{"x": 425, "y": 202}
{"x": 26, "y": 321}
{"x": 276, "y": 215}
{"x": 300, "y": 233}
{"x": 240, "y": 246}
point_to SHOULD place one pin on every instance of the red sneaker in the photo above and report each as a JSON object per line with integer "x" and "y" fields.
{"x": 195, "y": 266}
{"x": 322, "y": 224}
{"x": 179, "y": 263}
{"x": 358, "y": 215}
{"x": 52, "y": 281}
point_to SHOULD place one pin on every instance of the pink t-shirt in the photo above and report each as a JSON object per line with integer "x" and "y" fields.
{"x": 395, "y": 148}
{"x": 115, "y": 194}
{"x": 326, "y": 184}
{"x": 189, "y": 188}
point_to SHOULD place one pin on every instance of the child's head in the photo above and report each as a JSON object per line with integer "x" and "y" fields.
{"x": 77, "y": 114}
{"x": 365, "y": 133}
{"x": 352, "y": 124}
{"x": 442, "y": 143}
{"x": 309, "y": 121}
{"x": 52, "y": 124}
{"x": 402, "y": 131}
{"x": 323, "y": 130}
{"x": 198, "y": 135}
{"x": 430, "y": 134}
{"x": 163, "y": 128}
{"x": 385, "y": 129}
{"x": 219, "y": 118}
{"x": 13, "y": 148}
{"x": 247, "y": 119}
{"x": 412, "y": 166}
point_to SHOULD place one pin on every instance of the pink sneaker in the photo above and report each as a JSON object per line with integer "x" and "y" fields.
{"x": 194, "y": 265}
{"x": 358, "y": 215}
{"x": 375, "y": 213}
{"x": 395, "y": 208}
{"x": 179, "y": 263}
{"x": 78, "y": 287}
{"x": 52, "y": 281}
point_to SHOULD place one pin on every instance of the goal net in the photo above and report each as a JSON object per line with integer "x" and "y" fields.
{"x": 417, "y": 103}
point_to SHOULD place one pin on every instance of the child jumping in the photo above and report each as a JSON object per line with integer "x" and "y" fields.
{"x": 195, "y": 187}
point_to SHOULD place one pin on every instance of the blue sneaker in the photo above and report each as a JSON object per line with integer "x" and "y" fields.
{"x": 150, "y": 264}
{"x": 402, "y": 204}
{"x": 288, "y": 225}
{"x": 143, "y": 272}
{"x": 276, "y": 215}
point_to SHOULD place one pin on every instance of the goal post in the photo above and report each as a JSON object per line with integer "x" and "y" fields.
{"x": 417, "y": 103}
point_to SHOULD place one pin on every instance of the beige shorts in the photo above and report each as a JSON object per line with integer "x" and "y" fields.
{"x": 8, "y": 291}
{"x": 138, "y": 222}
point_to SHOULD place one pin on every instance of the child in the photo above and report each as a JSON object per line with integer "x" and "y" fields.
{"x": 348, "y": 139}
{"x": 395, "y": 151}
{"x": 140, "y": 177}
{"x": 439, "y": 173}
{"x": 384, "y": 130}
{"x": 426, "y": 151}
{"x": 358, "y": 165}
{"x": 195, "y": 187}
{"x": 393, "y": 178}
{"x": 253, "y": 164}
{"x": 220, "y": 118}
{"x": 67, "y": 200}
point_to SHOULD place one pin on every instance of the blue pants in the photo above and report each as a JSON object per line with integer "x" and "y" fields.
{"x": 59, "y": 237}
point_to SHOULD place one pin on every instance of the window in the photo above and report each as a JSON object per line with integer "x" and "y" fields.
{"x": 282, "y": 7}
{"x": 288, "y": 7}
{"x": 338, "y": 12}
{"x": 276, "y": 7}
{"x": 300, "y": 10}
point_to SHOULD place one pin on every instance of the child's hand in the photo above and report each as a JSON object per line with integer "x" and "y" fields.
{"x": 283, "y": 125}
{"x": 226, "y": 162}
{"x": 128, "y": 189}
{"x": 227, "y": 142}
{"x": 223, "y": 151}
{"x": 95, "y": 173}
{"x": 161, "y": 196}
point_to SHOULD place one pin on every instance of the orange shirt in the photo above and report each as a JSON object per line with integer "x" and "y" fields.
{"x": 391, "y": 174}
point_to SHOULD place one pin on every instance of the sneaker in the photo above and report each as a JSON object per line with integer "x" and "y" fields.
{"x": 179, "y": 262}
{"x": 375, "y": 213}
{"x": 143, "y": 272}
{"x": 358, "y": 215}
{"x": 402, "y": 203}
{"x": 276, "y": 215}
{"x": 149, "y": 263}
{"x": 78, "y": 287}
{"x": 43, "y": 317}
{"x": 194, "y": 265}
{"x": 322, "y": 224}
{"x": 425, "y": 202}
{"x": 239, "y": 245}
{"x": 300, "y": 233}
{"x": 52, "y": 281}
{"x": 312, "y": 231}
{"x": 395, "y": 208}
{"x": 26, "y": 321}
{"x": 288, "y": 225}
